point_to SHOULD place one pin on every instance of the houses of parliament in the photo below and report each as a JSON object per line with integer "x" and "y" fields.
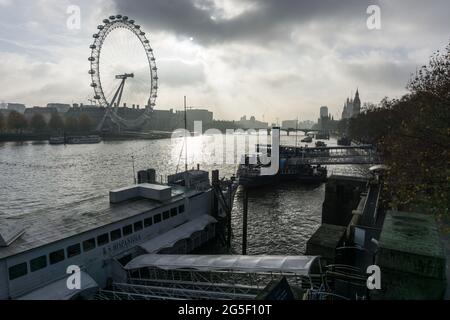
{"x": 352, "y": 107}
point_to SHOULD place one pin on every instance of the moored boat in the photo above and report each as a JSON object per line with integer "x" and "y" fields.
{"x": 83, "y": 139}
{"x": 56, "y": 140}
{"x": 344, "y": 141}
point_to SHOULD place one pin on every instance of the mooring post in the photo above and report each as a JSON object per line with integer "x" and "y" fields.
{"x": 230, "y": 206}
{"x": 244, "y": 222}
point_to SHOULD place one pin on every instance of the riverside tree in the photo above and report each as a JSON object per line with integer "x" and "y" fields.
{"x": 37, "y": 123}
{"x": 413, "y": 135}
{"x": 56, "y": 123}
{"x": 17, "y": 122}
{"x": 85, "y": 123}
{"x": 71, "y": 124}
{"x": 2, "y": 122}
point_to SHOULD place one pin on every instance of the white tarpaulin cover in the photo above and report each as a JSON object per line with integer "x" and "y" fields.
{"x": 58, "y": 290}
{"x": 262, "y": 263}
{"x": 168, "y": 239}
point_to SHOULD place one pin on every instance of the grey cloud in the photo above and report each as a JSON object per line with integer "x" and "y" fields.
{"x": 268, "y": 21}
{"x": 381, "y": 74}
{"x": 176, "y": 73}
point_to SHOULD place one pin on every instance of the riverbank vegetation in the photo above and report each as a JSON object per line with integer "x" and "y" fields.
{"x": 413, "y": 136}
{"x": 16, "y": 124}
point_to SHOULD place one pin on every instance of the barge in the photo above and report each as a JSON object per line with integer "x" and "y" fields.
{"x": 39, "y": 251}
{"x": 291, "y": 167}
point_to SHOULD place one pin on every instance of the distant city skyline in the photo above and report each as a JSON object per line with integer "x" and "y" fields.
{"x": 281, "y": 59}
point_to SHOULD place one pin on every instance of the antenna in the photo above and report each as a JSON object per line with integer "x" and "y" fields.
{"x": 185, "y": 136}
{"x": 296, "y": 134}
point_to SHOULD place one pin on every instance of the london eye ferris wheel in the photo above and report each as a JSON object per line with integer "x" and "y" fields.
{"x": 121, "y": 56}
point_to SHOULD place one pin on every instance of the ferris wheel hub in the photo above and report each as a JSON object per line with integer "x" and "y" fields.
{"x": 125, "y": 76}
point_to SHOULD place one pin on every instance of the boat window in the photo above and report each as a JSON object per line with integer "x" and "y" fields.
{"x": 148, "y": 222}
{"x": 127, "y": 230}
{"x": 173, "y": 212}
{"x": 89, "y": 244}
{"x": 57, "y": 256}
{"x": 157, "y": 218}
{"x": 181, "y": 209}
{"x": 116, "y": 234}
{"x": 18, "y": 270}
{"x": 138, "y": 226}
{"x": 73, "y": 250}
{"x": 102, "y": 239}
{"x": 166, "y": 215}
{"x": 38, "y": 263}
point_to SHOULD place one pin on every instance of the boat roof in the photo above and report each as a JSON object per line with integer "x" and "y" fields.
{"x": 300, "y": 265}
{"x": 58, "y": 290}
{"x": 184, "y": 231}
{"x": 44, "y": 227}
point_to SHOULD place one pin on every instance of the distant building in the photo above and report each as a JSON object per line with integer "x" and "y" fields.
{"x": 324, "y": 120}
{"x": 307, "y": 124}
{"x": 352, "y": 107}
{"x": 60, "y": 107}
{"x": 323, "y": 111}
{"x": 45, "y": 112}
{"x": 203, "y": 115}
{"x": 18, "y": 107}
{"x": 243, "y": 123}
{"x": 3, "y": 105}
{"x": 289, "y": 124}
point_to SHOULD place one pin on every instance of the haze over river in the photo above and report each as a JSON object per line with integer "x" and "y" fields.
{"x": 38, "y": 178}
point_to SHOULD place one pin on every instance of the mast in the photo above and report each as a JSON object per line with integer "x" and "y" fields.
{"x": 185, "y": 137}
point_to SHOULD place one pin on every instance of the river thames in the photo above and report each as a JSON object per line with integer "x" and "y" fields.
{"x": 41, "y": 179}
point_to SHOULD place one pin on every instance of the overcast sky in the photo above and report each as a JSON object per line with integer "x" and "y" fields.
{"x": 278, "y": 58}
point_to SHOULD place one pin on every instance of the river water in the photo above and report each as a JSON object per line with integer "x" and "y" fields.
{"x": 38, "y": 178}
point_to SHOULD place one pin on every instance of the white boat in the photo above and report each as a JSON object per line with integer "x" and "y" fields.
{"x": 83, "y": 139}
{"x": 38, "y": 252}
{"x": 56, "y": 140}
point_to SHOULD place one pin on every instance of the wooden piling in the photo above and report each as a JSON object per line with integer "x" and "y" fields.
{"x": 244, "y": 221}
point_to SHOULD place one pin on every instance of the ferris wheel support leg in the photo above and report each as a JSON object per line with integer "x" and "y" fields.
{"x": 102, "y": 122}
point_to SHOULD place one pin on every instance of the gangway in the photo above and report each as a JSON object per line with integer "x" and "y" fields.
{"x": 173, "y": 277}
{"x": 334, "y": 155}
